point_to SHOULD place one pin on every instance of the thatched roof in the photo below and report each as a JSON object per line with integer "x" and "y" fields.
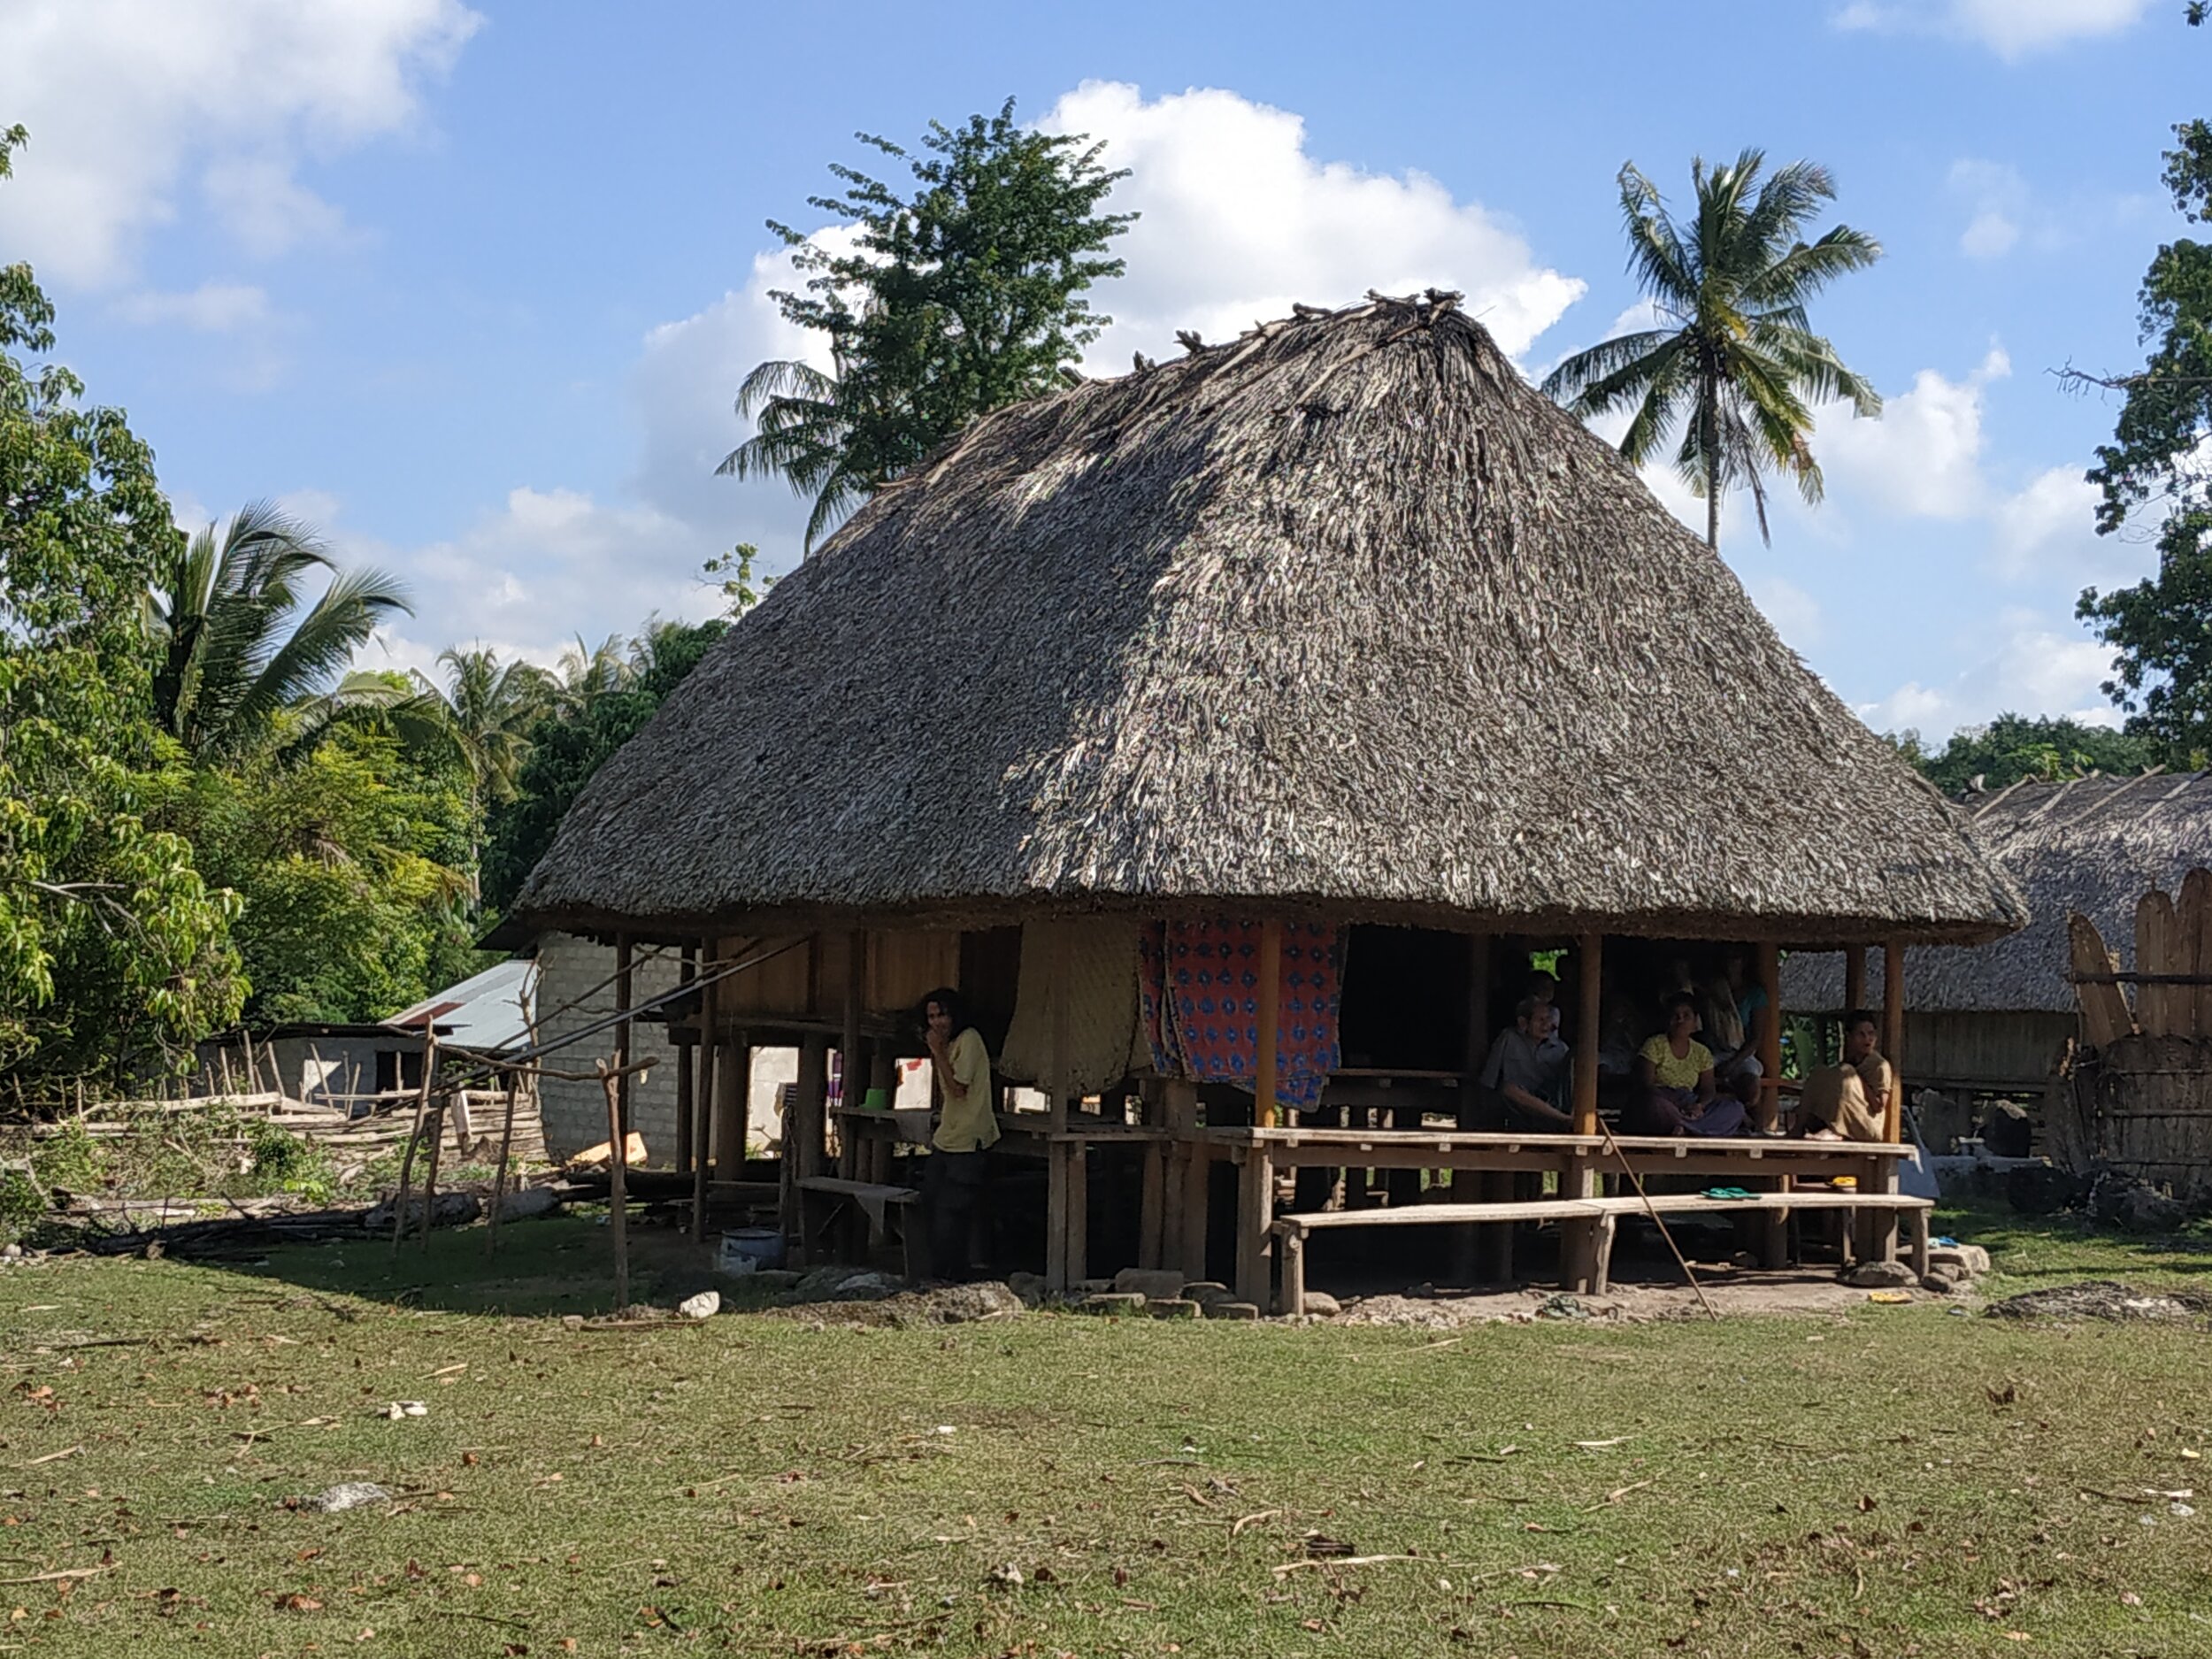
{"x": 2093, "y": 845}
{"x": 1342, "y": 616}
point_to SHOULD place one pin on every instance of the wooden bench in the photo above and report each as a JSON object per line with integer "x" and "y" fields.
{"x": 1291, "y": 1232}
{"x": 825, "y": 1199}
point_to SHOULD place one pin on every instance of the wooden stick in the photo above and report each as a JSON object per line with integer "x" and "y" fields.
{"x": 1650, "y": 1209}
{"x": 1854, "y": 978}
{"x": 703, "y": 1097}
{"x": 623, "y": 976}
{"x": 407, "y": 1158}
{"x": 1894, "y": 1035}
{"x": 1590, "y": 952}
{"x": 1268, "y": 1088}
{"x": 687, "y": 1134}
{"x": 430, "y": 1171}
{"x": 617, "y": 1184}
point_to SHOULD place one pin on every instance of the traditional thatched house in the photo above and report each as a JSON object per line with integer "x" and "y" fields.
{"x": 1338, "y": 627}
{"x": 1994, "y": 1018}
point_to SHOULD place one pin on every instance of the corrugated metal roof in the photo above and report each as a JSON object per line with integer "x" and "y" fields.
{"x": 487, "y": 1011}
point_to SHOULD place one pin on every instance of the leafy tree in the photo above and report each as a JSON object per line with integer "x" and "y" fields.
{"x": 566, "y": 750}
{"x": 243, "y": 667}
{"x": 113, "y": 947}
{"x": 954, "y": 301}
{"x": 2161, "y": 628}
{"x": 1736, "y": 365}
{"x": 351, "y": 865}
{"x": 736, "y": 577}
{"x": 2014, "y": 747}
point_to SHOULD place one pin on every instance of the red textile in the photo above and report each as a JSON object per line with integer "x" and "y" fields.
{"x": 1201, "y": 982}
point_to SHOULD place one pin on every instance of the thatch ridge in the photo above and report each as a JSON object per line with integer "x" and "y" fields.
{"x": 2093, "y": 844}
{"x": 1342, "y": 616}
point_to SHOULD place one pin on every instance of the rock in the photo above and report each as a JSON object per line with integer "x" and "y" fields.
{"x": 2036, "y": 1189}
{"x": 1205, "y": 1290}
{"x": 1171, "y": 1307}
{"x": 400, "y": 1409}
{"x": 775, "y": 1278}
{"x": 1092, "y": 1287}
{"x": 866, "y": 1286}
{"x": 1154, "y": 1284}
{"x": 1231, "y": 1309}
{"x": 1111, "y": 1302}
{"x": 2146, "y": 1210}
{"x": 705, "y": 1305}
{"x": 1881, "y": 1276}
{"x": 2007, "y": 1131}
{"x": 11, "y": 1251}
{"x": 347, "y": 1494}
{"x": 1029, "y": 1287}
{"x": 1969, "y": 1261}
{"x": 448, "y": 1209}
{"x": 525, "y": 1204}
{"x": 987, "y": 1299}
{"x": 1939, "y": 1281}
{"x": 1323, "y": 1305}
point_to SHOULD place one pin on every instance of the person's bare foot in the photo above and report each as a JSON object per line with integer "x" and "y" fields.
{"x": 1822, "y": 1134}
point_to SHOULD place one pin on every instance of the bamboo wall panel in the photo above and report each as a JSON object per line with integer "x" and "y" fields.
{"x": 2151, "y": 1101}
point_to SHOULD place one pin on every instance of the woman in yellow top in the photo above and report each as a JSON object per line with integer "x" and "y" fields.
{"x": 1674, "y": 1074}
{"x": 966, "y": 1125}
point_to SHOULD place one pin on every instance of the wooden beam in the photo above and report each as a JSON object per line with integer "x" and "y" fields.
{"x": 1271, "y": 1000}
{"x": 854, "y": 1080}
{"x": 1589, "y": 962}
{"x": 1058, "y": 1085}
{"x": 1775, "y": 1247}
{"x": 1894, "y": 1035}
{"x": 703, "y": 1095}
{"x": 1854, "y": 978}
{"x": 687, "y": 1098}
{"x": 622, "y": 978}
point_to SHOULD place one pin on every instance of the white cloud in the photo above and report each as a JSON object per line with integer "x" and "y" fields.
{"x": 1997, "y": 197}
{"x": 213, "y": 308}
{"x": 1923, "y": 458}
{"x": 2031, "y": 669}
{"x": 1795, "y": 614}
{"x": 127, "y": 100}
{"x": 1239, "y": 222}
{"x": 2011, "y": 28}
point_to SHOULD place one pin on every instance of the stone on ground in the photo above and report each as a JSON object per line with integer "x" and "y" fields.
{"x": 1171, "y": 1307}
{"x": 986, "y": 1299}
{"x": 1939, "y": 1281}
{"x": 347, "y": 1494}
{"x": 846, "y": 1284}
{"x": 1968, "y": 1259}
{"x": 1205, "y": 1290}
{"x": 1231, "y": 1309}
{"x": 1029, "y": 1287}
{"x": 1881, "y": 1276}
{"x": 449, "y": 1210}
{"x": 1111, "y": 1302}
{"x": 705, "y": 1305}
{"x": 1154, "y": 1284}
{"x": 525, "y": 1204}
{"x": 1323, "y": 1305}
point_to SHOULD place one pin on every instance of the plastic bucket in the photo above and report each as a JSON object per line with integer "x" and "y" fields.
{"x": 746, "y": 1249}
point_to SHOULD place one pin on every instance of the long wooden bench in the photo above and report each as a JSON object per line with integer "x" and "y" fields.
{"x": 1290, "y": 1232}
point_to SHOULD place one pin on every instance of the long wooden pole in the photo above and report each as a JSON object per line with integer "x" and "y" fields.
{"x": 1893, "y": 1036}
{"x": 610, "y": 1082}
{"x": 1769, "y": 972}
{"x": 1590, "y": 959}
{"x": 702, "y": 1093}
{"x": 1271, "y": 998}
{"x": 1854, "y": 978}
{"x": 499, "y": 1177}
{"x": 622, "y": 978}
{"x": 852, "y": 1085}
{"x": 407, "y": 1158}
{"x": 686, "y": 1098}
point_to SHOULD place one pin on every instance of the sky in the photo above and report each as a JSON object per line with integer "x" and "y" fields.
{"x": 471, "y": 285}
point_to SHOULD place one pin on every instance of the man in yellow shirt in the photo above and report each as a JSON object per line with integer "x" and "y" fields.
{"x": 967, "y": 1123}
{"x": 1850, "y": 1102}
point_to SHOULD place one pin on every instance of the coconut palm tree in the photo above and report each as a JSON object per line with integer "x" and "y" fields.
{"x": 1735, "y": 362}
{"x": 246, "y": 665}
{"x": 804, "y": 435}
{"x": 490, "y": 707}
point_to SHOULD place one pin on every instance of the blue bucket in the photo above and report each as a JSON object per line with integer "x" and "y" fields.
{"x": 756, "y": 1247}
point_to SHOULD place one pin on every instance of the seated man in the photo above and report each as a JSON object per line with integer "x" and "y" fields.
{"x": 1849, "y": 1102}
{"x": 1674, "y": 1072}
{"x": 1528, "y": 1067}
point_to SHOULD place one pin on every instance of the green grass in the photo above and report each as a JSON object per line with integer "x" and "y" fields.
{"x": 1898, "y": 1480}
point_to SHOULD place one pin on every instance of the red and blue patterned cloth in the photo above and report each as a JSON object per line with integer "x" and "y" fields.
{"x": 1200, "y": 983}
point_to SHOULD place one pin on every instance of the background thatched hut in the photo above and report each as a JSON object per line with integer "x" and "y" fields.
{"x": 1341, "y": 622}
{"x": 1995, "y": 1018}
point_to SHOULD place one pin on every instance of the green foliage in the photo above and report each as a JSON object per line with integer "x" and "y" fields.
{"x": 113, "y": 948}
{"x": 2014, "y": 747}
{"x": 954, "y": 301}
{"x": 69, "y": 1159}
{"x": 352, "y": 865}
{"x": 22, "y": 1206}
{"x": 247, "y": 664}
{"x": 287, "y": 1162}
{"x": 733, "y": 574}
{"x": 1736, "y": 365}
{"x": 610, "y": 696}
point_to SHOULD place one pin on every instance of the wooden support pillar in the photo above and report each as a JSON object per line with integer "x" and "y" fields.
{"x": 1264, "y": 1111}
{"x": 1256, "y": 1193}
{"x": 1060, "y": 1046}
{"x": 1854, "y": 978}
{"x": 1468, "y": 1184}
{"x": 622, "y": 987}
{"x": 1187, "y": 1197}
{"x": 703, "y": 1095}
{"x": 803, "y": 1146}
{"x": 1775, "y": 1243}
{"x": 1893, "y": 1115}
{"x": 733, "y": 1097}
{"x": 1579, "y": 1245}
{"x": 686, "y": 1096}
{"x": 1079, "y": 1178}
{"x": 849, "y": 1065}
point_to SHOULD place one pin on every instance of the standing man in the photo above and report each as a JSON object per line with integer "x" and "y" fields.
{"x": 966, "y": 1125}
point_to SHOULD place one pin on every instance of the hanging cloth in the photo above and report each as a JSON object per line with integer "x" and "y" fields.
{"x": 1104, "y": 1041}
{"x": 1201, "y": 1003}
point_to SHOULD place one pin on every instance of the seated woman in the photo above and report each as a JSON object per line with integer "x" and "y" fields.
{"x": 1674, "y": 1073}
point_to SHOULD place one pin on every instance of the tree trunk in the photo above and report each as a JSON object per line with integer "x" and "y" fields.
{"x": 1708, "y": 414}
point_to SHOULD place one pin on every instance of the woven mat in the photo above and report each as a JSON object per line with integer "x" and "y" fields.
{"x": 1104, "y": 1039}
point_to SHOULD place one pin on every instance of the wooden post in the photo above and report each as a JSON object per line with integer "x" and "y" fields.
{"x": 1187, "y": 1201}
{"x": 687, "y": 1098}
{"x": 1775, "y": 1245}
{"x": 1060, "y": 1046}
{"x": 1893, "y": 1036}
{"x": 1060, "y": 1154}
{"x": 702, "y": 1093}
{"x": 1579, "y": 1247}
{"x": 407, "y": 1158}
{"x": 803, "y": 1141}
{"x": 499, "y": 1176}
{"x": 430, "y": 1171}
{"x": 853, "y": 1075}
{"x": 1854, "y": 978}
{"x": 1271, "y": 1000}
{"x": 622, "y": 986}
{"x": 733, "y": 1101}
{"x": 1255, "y": 1191}
{"x": 617, "y": 1184}
{"x": 1467, "y": 1185}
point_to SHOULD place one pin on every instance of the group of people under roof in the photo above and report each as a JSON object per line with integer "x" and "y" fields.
{"x": 1682, "y": 1057}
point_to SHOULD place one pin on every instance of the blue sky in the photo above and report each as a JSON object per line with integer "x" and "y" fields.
{"x": 472, "y": 284}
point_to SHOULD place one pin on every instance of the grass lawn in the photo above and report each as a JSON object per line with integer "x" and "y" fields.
{"x": 1897, "y": 1480}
